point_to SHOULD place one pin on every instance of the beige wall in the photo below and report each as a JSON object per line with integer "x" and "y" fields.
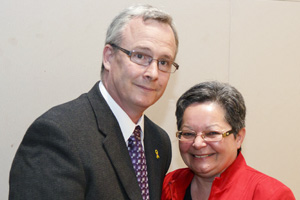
{"x": 50, "y": 52}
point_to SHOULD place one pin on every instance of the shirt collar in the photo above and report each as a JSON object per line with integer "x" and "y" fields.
{"x": 126, "y": 124}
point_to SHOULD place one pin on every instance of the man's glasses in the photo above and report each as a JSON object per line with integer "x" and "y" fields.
{"x": 212, "y": 136}
{"x": 140, "y": 58}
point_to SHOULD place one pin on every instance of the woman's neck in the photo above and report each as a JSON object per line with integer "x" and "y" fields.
{"x": 201, "y": 187}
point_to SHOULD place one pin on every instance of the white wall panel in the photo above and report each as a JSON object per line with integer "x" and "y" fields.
{"x": 50, "y": 53}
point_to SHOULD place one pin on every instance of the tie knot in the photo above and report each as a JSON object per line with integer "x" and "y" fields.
{"x": 137, "y": 132}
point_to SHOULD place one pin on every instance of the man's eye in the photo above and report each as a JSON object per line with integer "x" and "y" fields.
{"x": 164, "y": 63}
{"x": 140, "y": 56}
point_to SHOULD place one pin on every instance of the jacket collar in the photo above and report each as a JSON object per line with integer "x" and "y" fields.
{"x": 179, "y": 182}
{"x": 182, "y": 178}
{"x": 227, "y": 177}
{"x": 115, "y": 147}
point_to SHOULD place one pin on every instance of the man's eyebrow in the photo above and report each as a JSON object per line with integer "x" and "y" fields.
{"x": 167, "y": 57}
{"x": 141, "y": 48}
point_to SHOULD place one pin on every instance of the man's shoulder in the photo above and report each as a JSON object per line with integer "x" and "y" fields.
{"x": 68, "y": 108}
{"x": 76, "y": 107}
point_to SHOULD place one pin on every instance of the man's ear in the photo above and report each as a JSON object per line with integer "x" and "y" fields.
{"x": 107, "y": 56}
{"x": 240, "y": 137}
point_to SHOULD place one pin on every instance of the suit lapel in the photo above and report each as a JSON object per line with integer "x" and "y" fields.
{"x": 114, "y": 144}
{"x": 152, "y": 149}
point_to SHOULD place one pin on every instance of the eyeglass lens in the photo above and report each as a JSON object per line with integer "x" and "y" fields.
{"x": 145, "y": 60}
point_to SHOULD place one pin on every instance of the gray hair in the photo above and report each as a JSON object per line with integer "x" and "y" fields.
{"x": 225, "y": 95}
{"x": 147, "y": 12}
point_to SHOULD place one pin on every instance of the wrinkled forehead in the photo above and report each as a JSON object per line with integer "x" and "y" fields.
{"x": 150, "y": 31}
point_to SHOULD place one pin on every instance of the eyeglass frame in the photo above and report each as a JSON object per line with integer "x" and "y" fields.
{"x": 225, "y": 134}
{"x": 129, "y": 54}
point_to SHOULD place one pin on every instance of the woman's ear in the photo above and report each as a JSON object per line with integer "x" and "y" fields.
{"x": 240, "y": 137}
{"x": 108, "y": 53}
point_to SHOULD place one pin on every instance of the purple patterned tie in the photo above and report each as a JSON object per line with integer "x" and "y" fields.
{"x": 138, "y": 160}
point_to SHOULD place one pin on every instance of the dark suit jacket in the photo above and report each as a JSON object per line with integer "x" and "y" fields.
{"x": 76, "y": 151}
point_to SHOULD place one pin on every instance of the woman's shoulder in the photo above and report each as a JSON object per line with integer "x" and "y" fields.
{"x": 267, "y": 186}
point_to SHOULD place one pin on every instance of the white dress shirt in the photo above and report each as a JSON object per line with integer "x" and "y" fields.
{"x": 126, "y": 124}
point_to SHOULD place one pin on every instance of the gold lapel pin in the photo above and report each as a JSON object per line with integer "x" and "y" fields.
{"x": 156, "y": 152}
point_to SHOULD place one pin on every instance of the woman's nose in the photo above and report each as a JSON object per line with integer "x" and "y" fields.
{"x": 199, "y": 142}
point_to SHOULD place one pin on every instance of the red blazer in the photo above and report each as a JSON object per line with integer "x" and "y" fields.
{"x": 238, "y": 181}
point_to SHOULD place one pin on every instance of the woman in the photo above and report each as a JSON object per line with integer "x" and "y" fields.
{"x": 211, "y": 123}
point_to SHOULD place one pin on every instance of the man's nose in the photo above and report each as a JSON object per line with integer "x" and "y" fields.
{"x": 152, "y": 70}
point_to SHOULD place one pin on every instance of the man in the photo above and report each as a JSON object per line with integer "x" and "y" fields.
{"x": 80, "y": 150}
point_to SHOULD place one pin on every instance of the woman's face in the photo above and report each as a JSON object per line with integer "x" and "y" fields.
{"x": 208, "y": 159}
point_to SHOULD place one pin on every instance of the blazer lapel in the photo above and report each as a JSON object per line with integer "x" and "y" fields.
{"x": 152, "y": 149}
{"x": 114, "y": 144}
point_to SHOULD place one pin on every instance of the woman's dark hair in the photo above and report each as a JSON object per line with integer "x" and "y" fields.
{"x": 225, "y": 95}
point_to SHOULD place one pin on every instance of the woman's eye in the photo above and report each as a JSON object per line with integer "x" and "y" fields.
{"x": 188, "y": 134}
{"x": 212, "y": 133}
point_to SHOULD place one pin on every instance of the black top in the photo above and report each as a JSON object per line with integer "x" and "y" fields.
{"x": 188, "y": 195}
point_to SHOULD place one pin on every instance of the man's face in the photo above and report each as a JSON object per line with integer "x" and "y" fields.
{"x": 135, "y": 87}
